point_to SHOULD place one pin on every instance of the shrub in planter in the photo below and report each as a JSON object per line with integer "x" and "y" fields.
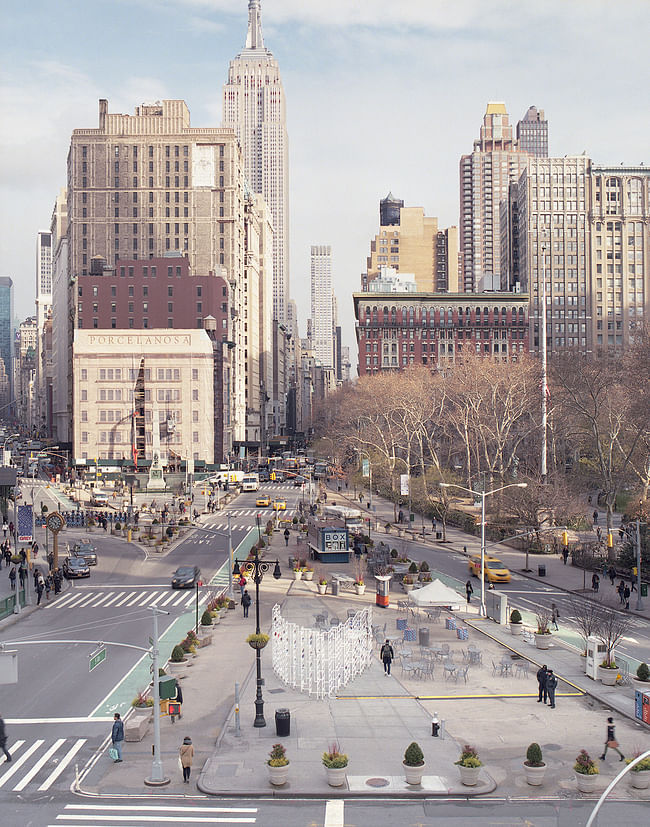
{"x": 413, "y": 568}
{"x": 178, "y": 654}
{"x": 534, "y": 756}
{"x": 141, "y": 701}
{"x": 413, "y": 757}
{"x": 469, "y": 758}
{"x": 394, "y": 554}
{"x": 257, "y": 641}
{"x": 424, "y": 566}
{"x": 334, "y": 759}
{"x": 515, "y": 616}
{"x": 585, "y": 765}
{"x": 206, "y": 618}
{"x": 278, "y": 756}
{"x": 643, "y": 672}
{"x": 154, "y": 521}
{"x": 295, "y": 521}
{"x": 118, "y": 526}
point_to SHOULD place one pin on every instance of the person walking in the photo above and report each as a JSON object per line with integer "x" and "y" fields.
{"x": 387, "y": 654}
{"x": 3, "y": 739}
{"x": 179, "y": 699}
{"x": 611, "y": 742}
{"x": 555, "y": 614}
{"x": 117, "y": 736}
{"x": 565, "y": 554}
{"x": 48, "y": 586}
{"x": 612, "y": 574}
{"x": 246, "y": 602}
{"x": 286, "y": 536}
{"x": 542, "y": 675}
{"x": 186, "y": 754}
{"x": 595, "y": 582}
{"x": 621, "y": 591}
{"x": 626, "y": 596}
{"x": 242, "y": 585}
{"x": 551, "y": 686}
{"x": 5, "y": 528}
{"x": 595, "y": 516}
{"x": 469, "y": 591}
{"x": 12, "y": 578}
{"x": 40, "y": 585}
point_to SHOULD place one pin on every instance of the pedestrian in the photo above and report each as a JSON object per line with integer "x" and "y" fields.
{"x": 611, "y": 741}
{"x": 186, "y": 753}
{"x": 22, "y": 574}
{"x": 246, "y": 602}
{"x": 555, "y": 614}
{"x": 551, "y": 686}
{"x": 612, "y": 574}
{"x": 35, "y": 550}
{"x": 117, "y": 736}
{"x": 387, "y": 654}
{"x": 599, "y": 534}
{"x": 286, "y": 536}
{"x": 626, "y": 596}
{"x": 5, "y": 528}
{"x": 48, "y": 586}
{"x": 635, "y": 573}
{"x": 595, "y": 582}
{"x": 58, "y": 580}
{"x": 39, "y": 590}
{"x": 242, "y": 584}
{"x": 565, "y": 554}
{"x": 595, "y": 516}
{"x": 11, "y": 529}
{"x": 179, "y": 699}
{"x": 3, "y": 739}
{"x": 469, "y": 591}
{"x": 621, "y": 591}
{"x": 400, "y": 516}
{"x": 542, "y": 675}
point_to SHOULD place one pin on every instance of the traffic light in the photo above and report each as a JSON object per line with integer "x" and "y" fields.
{"x": 610, "y": 540}
{"x": 565, "y": 538}
{"x": 174, "y": 708}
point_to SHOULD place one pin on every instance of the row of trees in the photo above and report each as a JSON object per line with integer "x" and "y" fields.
{"x": 478, "y": 424}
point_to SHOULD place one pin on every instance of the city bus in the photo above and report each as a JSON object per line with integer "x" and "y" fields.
{"x": 250, "y": 482}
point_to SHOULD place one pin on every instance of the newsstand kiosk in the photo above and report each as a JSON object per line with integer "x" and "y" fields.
{"x": 383, "y": 589}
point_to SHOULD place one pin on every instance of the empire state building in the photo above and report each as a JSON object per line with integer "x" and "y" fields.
{"x": 254, "y": 107}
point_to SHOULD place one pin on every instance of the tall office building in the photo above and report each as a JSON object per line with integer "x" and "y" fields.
{"x": 59, "y": 415}
{"x": 147, "y": 186}
{"x": 411, "y": 242}
{"x": 532, "y": 133}
{"x": 6, "y": 345}
{"x": 322, "y": 323}
{"x": 254, "y": 107}
{"x": 495, "y": 162}
{"x": 43, "y": 308}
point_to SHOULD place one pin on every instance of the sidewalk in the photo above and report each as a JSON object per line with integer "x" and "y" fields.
{"x": 373, "y": 718}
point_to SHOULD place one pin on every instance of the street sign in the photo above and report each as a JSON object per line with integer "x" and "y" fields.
{"x": 96, "y": 658}
{"x": 365, "y": 467}
{"x": 404, "y": 484}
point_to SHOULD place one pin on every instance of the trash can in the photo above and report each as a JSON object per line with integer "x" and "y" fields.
{"x": 541, "y": 571}
{"x": 423, "y": 636}
{"x": 282, "y": 723}
{"x": 335, "y": 586}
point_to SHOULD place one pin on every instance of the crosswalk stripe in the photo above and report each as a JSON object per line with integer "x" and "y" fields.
{"x": 66, "y": 599}
{"x": 157, "y": 809}
{"x": 159, "y": 818}
{"x": 102, "y": 599}
{"x": 14, "y": 748}
{"x": 63, "y": 763}
{"x": 130, "y": 597}
{"x": 117, "y": 597}
{"x": 191, "y": 601}
{"x": 89, "y": 599}
{"x": 76, "y": 598}
{"x": 157, "y": 599}
{"x": 169, "y": 600}
{"x": 147, "y": 597}
{"x": 180, "y": 600}
{"x": 37, "y": 766}
{"x": 17, "y": 763}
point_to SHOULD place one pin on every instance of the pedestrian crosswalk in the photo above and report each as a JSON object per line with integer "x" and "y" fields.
{"x": 38, "y": 764}
{"x": 121, "y": 599}
{"x": 164, "y": 813}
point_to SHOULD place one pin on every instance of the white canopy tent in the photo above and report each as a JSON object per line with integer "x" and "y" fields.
{"x": 435, "y": 594}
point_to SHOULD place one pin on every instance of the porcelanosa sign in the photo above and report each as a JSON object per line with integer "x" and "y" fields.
{"x": 157, "y": 341}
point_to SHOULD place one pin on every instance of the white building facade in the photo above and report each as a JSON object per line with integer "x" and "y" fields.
{"x": 322, "y": 321}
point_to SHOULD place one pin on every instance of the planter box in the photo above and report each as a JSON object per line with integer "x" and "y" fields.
{"x": 308, "y": 575}
{"x": 516, "y": 628}
{"x": 177, "y": 668}
{"x": 535, "y": 775}
{"x": 469, "y": 775}
{"x": 297, "y": 575}
{"x": 542, "y": 641}
{"x": 414, "y": 775}
{"x": 608, "y": 676}
{"x": 205, "y": 640}
{"x": 586, "y": 783}
{"x": 360, "y": 588}
{"x": 336, "y": 776}
{"x": 322, "y": 588}
{"x": 278, "y": 775}
{"x": 640, "y": 780}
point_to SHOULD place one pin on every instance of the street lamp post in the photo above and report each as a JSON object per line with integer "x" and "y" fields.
{"x": 483, "y": 495}
{"x": 257, "y": 568}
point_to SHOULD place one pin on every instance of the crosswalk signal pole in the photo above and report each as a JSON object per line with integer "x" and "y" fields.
{"x": 157, "y": 778}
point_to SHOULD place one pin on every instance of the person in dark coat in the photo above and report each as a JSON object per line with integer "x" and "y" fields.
{"x": 387, "y": 654}
{"x": 117, "y": 736}
{"x": 611, "y": 742}
{"x": 469, "y": 591}
{"x": 3, "y": 739}
{"x": 40, "y": 587}
{"x": 12, "y": 578}
{"x": 551, "y": 686}
{"x": 542, "y": 675}
{"x": 179, "y": 698}
{"x": 626, "y": 596}
{"x": 286, "y": 536}
{"x": 595, "y": 582}
{"x": 246, "y": 602}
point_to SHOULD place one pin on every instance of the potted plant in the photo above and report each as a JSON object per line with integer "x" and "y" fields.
{"x": 543, "y": 633}
{"x": 516, "y": 625}
{"x": 308, "y": 573}
{"x": 335, "y": 763}
{"x": 206, "y": 621}
{"x": 177, "y": 660}
{"x": 534, "y": 767}
{"x": 257, "y": 641}
{"x": 640, "y": 773}
{"x": 586, "y": 770}
{"x": 359, "y": 584}
{"x": 322, "y": 585}
{"x": 469, "y": 765}
{"x": 297, "y": 570}
{"x": 608, "y": 672}
{"x": 278, "y": 765}
{"x": 141, "y": 701}
{"x": 413, "y": 763}
{"x": 407, "y": 583}
{"x": 642, "y": 677}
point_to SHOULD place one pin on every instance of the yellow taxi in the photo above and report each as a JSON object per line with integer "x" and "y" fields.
{"x": 495, "y": 571}
{"x": 279, "y": 505}
{"x": 263, "y": 501}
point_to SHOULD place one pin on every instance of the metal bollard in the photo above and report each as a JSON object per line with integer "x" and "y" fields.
{"x": 435, "y": 726}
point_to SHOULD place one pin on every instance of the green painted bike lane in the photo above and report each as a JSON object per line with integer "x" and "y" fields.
{"x": 139, "y": 676}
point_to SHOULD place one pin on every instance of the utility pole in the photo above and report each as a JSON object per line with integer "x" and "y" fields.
{"x": 543, "y": 468}
{"x": 231, "y": 594}
{"x": 639, "y": 604}
{"x": 157, "y": 778}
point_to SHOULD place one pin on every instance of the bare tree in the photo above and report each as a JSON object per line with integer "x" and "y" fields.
{"x": 587, "y": 615}
{"x": 610, "y": 629}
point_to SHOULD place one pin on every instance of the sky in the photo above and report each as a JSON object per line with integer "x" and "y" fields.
{"x": 382, "y": 95}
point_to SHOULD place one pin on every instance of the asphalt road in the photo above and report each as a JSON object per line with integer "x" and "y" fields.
{"x": 59, "y": 713}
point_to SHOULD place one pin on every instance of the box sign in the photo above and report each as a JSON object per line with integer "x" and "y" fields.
{"x": 334, "y": 539}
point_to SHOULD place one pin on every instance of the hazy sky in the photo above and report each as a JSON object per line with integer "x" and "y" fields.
{"x": 381, "y": 95}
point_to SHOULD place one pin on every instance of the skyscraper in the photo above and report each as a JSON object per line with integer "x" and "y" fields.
{"x": 254, "y": 106}
{"x": 495, "y": 162}
{"x": 43, "y": 307}
{"x": 6, "y": 342}
{"x": 532, "y": 133}
{"x": 321, "y": 305}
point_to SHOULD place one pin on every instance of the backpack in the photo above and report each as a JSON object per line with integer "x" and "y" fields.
{"x": 386, "y": 651}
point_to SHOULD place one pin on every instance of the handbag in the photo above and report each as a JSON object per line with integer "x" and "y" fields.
{"x": 180, "y": 764}
{"x": 612, "y": 744}
{"x": 113, "y": 753}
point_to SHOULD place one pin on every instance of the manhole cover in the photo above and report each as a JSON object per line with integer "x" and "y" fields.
{"x": 377, "y": 782}
{"x": 552, "y": 747}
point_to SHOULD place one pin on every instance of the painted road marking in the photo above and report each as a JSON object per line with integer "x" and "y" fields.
{"x": 17, "y": 763}
{"x": 37, "y": 766}
{"x": 14, "y": 747}
{"x": 117, "y": 597}
{"x": 62, "y": 765}
{"x": 334, "y": 813}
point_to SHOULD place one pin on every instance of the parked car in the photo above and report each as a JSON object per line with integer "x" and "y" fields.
{"x": 495, "y": 570}
{"x": 85, "y": 550}
{"x": 186, "y": 577}
{"x": 74, "y": 567}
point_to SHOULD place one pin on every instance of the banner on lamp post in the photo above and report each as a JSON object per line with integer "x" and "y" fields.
{"x": 404, "y": 485}
{"x": 365, "y": 467}
{"x": 25, "y": 523}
